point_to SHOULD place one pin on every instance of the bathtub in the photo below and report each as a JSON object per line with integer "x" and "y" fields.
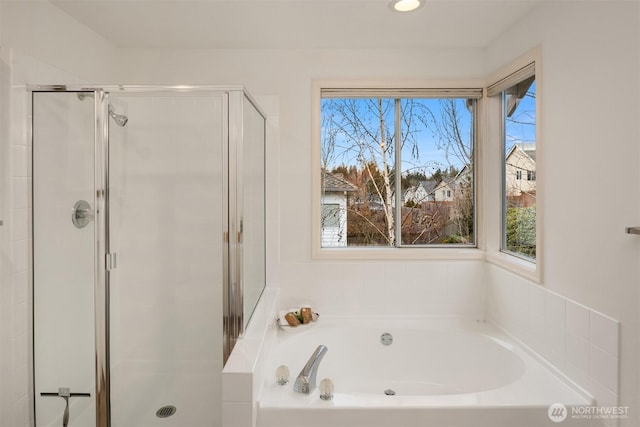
{"x": 436, "y": 372}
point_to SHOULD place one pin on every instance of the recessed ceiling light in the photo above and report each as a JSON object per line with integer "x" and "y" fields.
{"x": 405, "y": 5}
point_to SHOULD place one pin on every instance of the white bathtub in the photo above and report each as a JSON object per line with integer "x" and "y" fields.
{"x": 443, "y": 372}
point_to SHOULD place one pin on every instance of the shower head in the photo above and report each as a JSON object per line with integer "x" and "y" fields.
{"x": 120, "y": 119}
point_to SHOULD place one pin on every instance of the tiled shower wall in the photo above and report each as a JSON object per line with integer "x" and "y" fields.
{"x": 581, "y": 342}
{"x": 15, "y": 322}
{"x": 5, "y": 249}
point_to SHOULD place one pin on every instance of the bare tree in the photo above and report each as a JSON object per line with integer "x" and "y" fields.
{"x": 455, "y": 141}
{"x": 362, "y": 132}
{"x": 448, "y": 129}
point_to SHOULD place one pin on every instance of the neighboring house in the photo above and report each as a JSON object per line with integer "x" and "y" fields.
{"x": 375, "y": 203}
{"x": 335, "y": 192}
{"x": 423, "y": 191}
{"x": 446, "y": 190}
{"x": 520, "y": 170}
{"x": 457, "y": 193}
{"x": 443, "y": 191}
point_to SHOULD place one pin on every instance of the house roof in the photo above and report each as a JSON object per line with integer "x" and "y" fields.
{"x": 428, "y": 186}
{"x": 336, "y": 183}
{"x": 528, "y": 149}
{"x": 464, "y": 172}
{"x": 531, "y": 153}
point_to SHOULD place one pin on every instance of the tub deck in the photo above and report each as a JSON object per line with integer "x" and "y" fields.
{"x": 522, "y": 402}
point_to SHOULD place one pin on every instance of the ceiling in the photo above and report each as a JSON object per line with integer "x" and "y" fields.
{"x": 258, "y": 24}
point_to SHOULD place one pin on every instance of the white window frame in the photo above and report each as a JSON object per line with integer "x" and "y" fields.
{"x": 378, "y": 88}
{"x": 530, "y": 269}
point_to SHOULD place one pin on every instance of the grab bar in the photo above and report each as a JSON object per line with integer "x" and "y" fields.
{"x": 632, "y": 230}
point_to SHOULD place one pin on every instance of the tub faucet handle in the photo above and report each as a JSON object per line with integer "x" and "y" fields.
{"x": 326, "y": 389}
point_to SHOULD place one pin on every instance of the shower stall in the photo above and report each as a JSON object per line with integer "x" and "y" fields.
{"x": 148, "y": 250}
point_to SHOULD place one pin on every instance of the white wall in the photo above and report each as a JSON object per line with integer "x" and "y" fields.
{"x": 352, "y": 287}
{"x": 5, "y": 281}
{"x": 5, "y": 278}
{"x": 39, "y": 45}
{"x": 39, "y": 29}
{"x": 589, "y": 84}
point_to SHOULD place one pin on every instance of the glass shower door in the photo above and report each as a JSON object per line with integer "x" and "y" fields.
{"x": 136, "y": 280}
{"x": 167, "y": 210}
{"x": 64, "y": 258}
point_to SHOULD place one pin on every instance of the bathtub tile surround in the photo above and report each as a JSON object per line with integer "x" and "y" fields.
{"x": 238, "y": 414}
{"x": 441, "y": 288}
{"x": 244, "y": 373}
{"x": 555, "y": 329}
{"x": 251, "y": 397}
{"x": 578, "y": 341}
{"x": 603, "y": 332}
{"x": 575, "y": 342}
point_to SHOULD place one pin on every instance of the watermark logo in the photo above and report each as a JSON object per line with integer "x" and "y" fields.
{"x": 557, "y": 412}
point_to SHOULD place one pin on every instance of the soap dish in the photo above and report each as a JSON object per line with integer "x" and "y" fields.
{"x": 284, "y": 325}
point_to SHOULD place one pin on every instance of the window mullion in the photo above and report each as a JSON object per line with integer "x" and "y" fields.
{"x": 398, "y": 173}
{"x": 503, "y": 182}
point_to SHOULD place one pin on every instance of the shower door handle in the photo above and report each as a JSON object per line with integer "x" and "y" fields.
{"x": 110, "y": 261}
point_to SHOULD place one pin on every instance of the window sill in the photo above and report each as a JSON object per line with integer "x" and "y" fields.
{"x": 526, "y": 269}
{"x": 397, "y": 254}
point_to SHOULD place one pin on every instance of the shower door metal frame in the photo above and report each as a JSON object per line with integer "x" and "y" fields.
{"x": 101, "y": 242}
{"x": 233, "y": 318}
{"x": 101, "y": 284}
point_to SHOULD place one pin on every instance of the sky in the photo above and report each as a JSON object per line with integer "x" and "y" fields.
{"x": 427, "y": 133}
{"x": 519, "y": 129}
{"x": 431, "y": 142}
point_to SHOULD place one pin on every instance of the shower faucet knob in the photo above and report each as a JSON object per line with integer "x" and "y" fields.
{"x": 81, "y": 214}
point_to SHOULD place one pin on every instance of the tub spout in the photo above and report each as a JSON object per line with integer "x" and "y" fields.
{"x": 306, "y": 380}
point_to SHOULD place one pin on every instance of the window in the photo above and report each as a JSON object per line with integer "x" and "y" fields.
{"x": 334, "y": 227}
{"x": 518, "y": 98}
{"x": 401, "y": 162}
{"x": 330, "y": 216}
